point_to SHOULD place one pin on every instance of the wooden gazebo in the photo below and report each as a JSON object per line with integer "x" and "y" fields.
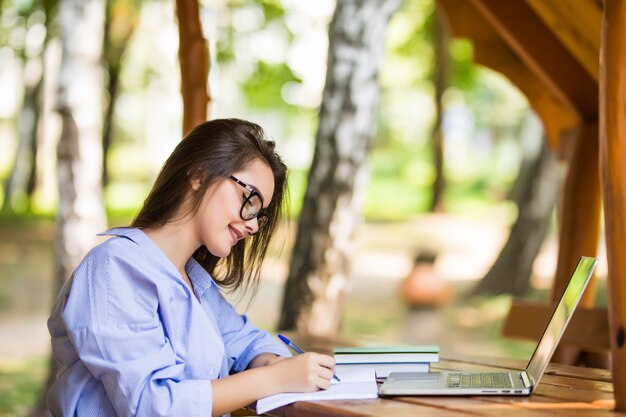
{"x": 569, "y": 58}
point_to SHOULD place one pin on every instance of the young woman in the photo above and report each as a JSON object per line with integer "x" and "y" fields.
{"x": 142, "y": 329}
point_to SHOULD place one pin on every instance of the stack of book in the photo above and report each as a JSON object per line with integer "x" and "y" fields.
{"x": 387, "y": 359}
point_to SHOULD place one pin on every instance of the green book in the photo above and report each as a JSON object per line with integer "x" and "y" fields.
{"x": 387, "y": 354}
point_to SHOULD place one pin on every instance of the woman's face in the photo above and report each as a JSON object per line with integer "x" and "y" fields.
{"x": 218, "y": 222}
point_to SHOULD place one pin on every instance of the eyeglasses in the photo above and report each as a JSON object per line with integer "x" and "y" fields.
{"x": 252, "y": 206}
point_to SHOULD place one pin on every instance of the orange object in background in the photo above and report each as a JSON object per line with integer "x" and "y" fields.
{"x": 422, "y": 287}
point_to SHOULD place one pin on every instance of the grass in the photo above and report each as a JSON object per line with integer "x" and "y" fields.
{"x": 20, "y": 385}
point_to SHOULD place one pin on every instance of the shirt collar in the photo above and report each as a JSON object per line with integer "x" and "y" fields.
{"x": 141, "y": 239}
{"x": 199, "y": 276}
{"x": 201, "y": 279}
{"x": 132, "y": 233}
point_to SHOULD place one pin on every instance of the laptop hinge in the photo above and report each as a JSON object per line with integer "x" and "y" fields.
{"x": 525, "y": 380}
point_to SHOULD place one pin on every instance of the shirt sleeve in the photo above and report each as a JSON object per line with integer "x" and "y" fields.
{"x": 113, "y": 321}
{"x": 242, "y": 340}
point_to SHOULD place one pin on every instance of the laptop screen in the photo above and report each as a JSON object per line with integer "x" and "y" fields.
{"x": 561, "y": 316}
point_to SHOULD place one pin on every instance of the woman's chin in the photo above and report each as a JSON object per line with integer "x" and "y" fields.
{"x": 220, "y": 252}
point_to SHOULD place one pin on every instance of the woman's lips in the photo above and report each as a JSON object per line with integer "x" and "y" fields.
{"x": 235, "y": 234}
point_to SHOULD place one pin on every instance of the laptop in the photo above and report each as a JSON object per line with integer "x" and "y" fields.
{"x": 501, "y": 382}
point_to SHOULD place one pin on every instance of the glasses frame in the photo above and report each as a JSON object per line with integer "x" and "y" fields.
{"x": 258, "y": 216}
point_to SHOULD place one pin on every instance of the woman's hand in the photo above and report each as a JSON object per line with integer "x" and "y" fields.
{"x": 304, "y": 373}
{"x": 272, "y": 375}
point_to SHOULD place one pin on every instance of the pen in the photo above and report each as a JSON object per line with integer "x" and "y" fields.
{"x": 296, "y": 349}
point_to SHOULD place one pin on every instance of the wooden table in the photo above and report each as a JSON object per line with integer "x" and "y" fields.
{"x": 565, "y": 390}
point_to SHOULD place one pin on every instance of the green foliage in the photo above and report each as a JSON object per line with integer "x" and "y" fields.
{"x": 272, "y": 10}
{"x": 297, "y": 188}
{"x": 401, "y": 162}
{"x": 18, "y": 15}
{"x": 409, "y": 45}
{"x": 410, "y": 38}
{"x": 463, "y": 74}
{"x": 262, "y": 80}
{"x": 261, "y": 15}
{"x": 263, "y": 89}
{"x": 409, "y": 29}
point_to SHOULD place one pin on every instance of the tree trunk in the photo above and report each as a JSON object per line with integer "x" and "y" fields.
{"x": 442, "y": 64}
{"x": 193, "y": 54}
{"x": 534, "y": 192}
{"x": 80, "y": 213}
{"x": 23, "y": 177}
{"x": 107, "y": 130}
{"x": 21, "y": 181}
{"x": 319, "y": 270}
{"x": 123, "y": 16}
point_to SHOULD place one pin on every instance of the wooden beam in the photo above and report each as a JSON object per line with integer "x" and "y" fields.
{"x": 463, "y": 20}
{"x": 580, "y": 212}
{"x": 577, "y": 24}
{"x": 588, "y": 329}
{"x": 542, "y": 52}
{"x": 612, "y": 157}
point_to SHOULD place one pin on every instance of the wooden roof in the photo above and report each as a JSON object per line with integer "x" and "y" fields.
{"x": 577, "y": 25}
{"x": 548, "y": 48}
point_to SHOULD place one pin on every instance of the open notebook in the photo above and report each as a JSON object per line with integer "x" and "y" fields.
{"x": 355, "y": 384}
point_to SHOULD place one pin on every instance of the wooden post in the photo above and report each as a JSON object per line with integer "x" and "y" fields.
{"x": 580, "y": 212}
{"x": 193, "y": 54}
{"x": 612, "y": 157}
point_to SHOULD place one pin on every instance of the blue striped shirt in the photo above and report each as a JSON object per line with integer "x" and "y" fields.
{"x": 132, "y": 339}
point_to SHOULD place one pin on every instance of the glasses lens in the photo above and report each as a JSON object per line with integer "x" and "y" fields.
{"x": 251, "y": 207}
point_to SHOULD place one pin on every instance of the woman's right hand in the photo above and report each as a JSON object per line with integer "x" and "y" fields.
{"x": 304, "y": 373}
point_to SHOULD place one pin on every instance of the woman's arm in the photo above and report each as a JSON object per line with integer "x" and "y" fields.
{"x": 243, "y": 341}
{"x": 302, "y": 373}
{"x": 265, "y": 359}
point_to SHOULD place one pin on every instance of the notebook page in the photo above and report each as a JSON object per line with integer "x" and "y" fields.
{"x": 355, "y": 384}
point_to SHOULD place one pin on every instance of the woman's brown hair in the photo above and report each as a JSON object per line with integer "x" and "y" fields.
{"x": 212, "y": 151}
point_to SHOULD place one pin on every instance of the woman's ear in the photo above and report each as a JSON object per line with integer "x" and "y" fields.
{"x": 195, "y": 184}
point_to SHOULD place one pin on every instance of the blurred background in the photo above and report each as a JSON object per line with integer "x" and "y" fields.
{"x": 427, "y": 233}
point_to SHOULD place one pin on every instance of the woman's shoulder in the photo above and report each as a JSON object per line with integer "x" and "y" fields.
{"x": 120, "y": 251}
{"x": 118, "y": 282}
{"x": 122, "y": 243}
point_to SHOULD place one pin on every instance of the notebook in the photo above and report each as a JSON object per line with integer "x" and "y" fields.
{"x": 386, "y": 354}
{"x": 387, "y": 359}
{"x": 355, "y": 384}
{"x": 383, "y": 370}
{"x": 505, "y": 382}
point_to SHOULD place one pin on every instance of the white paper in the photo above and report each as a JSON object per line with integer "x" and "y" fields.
{"x": 355, "y": 384}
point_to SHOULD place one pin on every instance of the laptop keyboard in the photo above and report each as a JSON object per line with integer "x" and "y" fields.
{"x": 479, "y": 380}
